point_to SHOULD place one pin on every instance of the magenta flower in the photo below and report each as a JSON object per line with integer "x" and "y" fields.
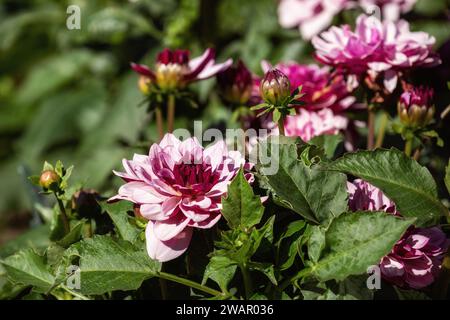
{"x": 309, "y": 124}
{"x": 178, "y": 187}
{"x": 366, "y": 197}
{"x": 375, "y": 49}
{"x": 311, "y": 16}
{"x": 320, "y": 87}
{"x": 415, "y": 260}
{"x": 174, "y": 69}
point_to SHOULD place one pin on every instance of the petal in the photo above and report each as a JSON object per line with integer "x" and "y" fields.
{"x": 168, "y": 229}
{"x": 152, "y": 212}
{"x": 143, "y": 70}
{"x": 163, "y": 251}
{"x": 199, "y": 63}
{"x": 211, "y": 70}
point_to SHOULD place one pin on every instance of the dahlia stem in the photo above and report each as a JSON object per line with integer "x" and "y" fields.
{"x": 408, "y": 146}
{"x": 170, "y": 113}
{"x": 159, "y": 122}
{"x": 371, "y": 129}
{"x": 281, "y": 126}
{"x": 64, "y": 217}
{"x": 382, "y": 130}
{"x": 187, "y": 282}
{"x": 247, "y": 281}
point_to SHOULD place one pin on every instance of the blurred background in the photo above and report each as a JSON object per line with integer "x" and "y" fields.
{"x": 70, "y": 94}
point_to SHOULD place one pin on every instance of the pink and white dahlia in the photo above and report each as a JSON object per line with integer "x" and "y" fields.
{"x": 174, "y": 68}
{"x": 390, "y": 9}
{"x": 309, "y": 124}
{"x": 321, "y": 88}
{"x": 415, "y": 260}
{"x": 178, "y": 187}
{"x": 375, "y": 49}
{"x": 311, "y": 16}
{"x": 366, "y": 197}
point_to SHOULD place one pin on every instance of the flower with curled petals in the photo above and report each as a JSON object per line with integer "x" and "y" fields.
{"x": 178, "y": 187}
{"x": 174, "y": 69}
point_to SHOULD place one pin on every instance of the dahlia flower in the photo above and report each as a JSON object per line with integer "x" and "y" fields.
{"x": 311, "y": 16}
{"x": 415, "y": 107}
{"x": 309, "y": 124}
{"x": 375, "y": 48}
{"x": 415, "y": 260}
{"x": 321, "y": 89}
{"x": 174, "y": 69}
{"x": 178, "y": 187}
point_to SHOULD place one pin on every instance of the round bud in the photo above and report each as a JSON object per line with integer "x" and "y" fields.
{"x": 275, "y": 87}
{"x": 48, "y": 178}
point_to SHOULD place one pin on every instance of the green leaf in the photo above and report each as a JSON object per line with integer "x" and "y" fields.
{"x": 28, "y": 268}
{"x": 317, "y": 195}
{"x": 447, "y": 177}
{"x": 289, "y": 250}
{"x": 266, "y": 268}
{"x": 402, "y": 179}
{"x": 118, "y": 213}
{"x": 329, "y": 143}
{"x": 74, "y": 235}
{"x": 316, "y": 243}
{"x": 107, "y": 265}
{"x": 220, "y": 269}
{"x": 241, "y": 207}
{"x": 355, "y": 241}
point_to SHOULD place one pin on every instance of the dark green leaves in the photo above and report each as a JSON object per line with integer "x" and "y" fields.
{"x": 317, "y": 195}
{"x": 29, "y": 268}
{"x": 355, "y": 241}
{"x": 402, "y": 179}
{"x": 107, "y": 265}
{"x": 118, "y": 213}
{"x": 241, "y": 208}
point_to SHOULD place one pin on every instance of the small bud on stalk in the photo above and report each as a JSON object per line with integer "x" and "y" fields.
{"x": 48, "y": 179}
{"x": 235, "y": 84}
{"x": 415, "y": 108}
{"x": 275, "y": 88}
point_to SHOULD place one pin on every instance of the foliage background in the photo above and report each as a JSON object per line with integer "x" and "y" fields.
{"x": 70, "y": 94}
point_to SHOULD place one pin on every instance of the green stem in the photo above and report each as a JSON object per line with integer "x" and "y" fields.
{"x": 408, "y": 146}
{"x": 382, "y": 130}
{"x": 187, "y": 282}
{"x": 74, "y": 293}
{"x": 287, "y": 282}
{"x": 281, "y": 126}
{"x": 247, "y": 281}
{"x": 64, "y": 217}
{"x": 170, "y": 113}
{"x": 159, "y": 122}
{"x": 371, "y": 129}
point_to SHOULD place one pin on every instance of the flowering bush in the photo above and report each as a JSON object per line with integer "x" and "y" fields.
{"x": 266, "y": 175}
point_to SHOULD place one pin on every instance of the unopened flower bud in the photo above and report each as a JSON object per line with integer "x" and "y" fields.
{"x": 48, "y": 178}
{"x": 415, "y": 108}
{"x": 275, "y": 87}
{"x": 235, "y": 84}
